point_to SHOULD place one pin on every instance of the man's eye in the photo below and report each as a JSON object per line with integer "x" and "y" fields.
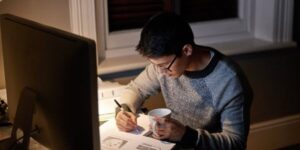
{"x": 162, "y": 66}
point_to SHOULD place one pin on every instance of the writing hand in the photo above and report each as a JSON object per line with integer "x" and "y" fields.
{"x": 126, "y": 121}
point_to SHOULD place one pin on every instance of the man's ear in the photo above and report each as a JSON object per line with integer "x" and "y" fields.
{"x": 187, "y": 49}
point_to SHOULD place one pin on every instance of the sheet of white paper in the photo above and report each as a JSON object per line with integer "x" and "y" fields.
{"x": 107, "y": 106}
{"x": 112, "y": 138}
{"x": 107, "y": 92}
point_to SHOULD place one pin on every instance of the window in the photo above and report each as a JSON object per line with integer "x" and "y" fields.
{"x": 205, "y": 10}
{"x": 266, "y": 20}
{"x": 119, "y": 43}
{"x": 131, "y": 14}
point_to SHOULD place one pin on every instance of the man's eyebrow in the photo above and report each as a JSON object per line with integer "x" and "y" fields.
{"x": 158, "y": 64}
{"x": 165, "y": 63}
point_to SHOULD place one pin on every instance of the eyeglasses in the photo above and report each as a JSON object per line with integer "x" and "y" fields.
{"x": 170, "y": 65}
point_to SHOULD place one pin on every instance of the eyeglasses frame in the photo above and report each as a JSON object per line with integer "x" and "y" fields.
{"x": 170, "y": 65}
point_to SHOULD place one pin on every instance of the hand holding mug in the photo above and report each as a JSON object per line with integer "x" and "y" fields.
{"x": 164, "y": 127}
{"x": 156, "y": 114}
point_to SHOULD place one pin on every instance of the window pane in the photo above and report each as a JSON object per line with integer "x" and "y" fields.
{"x": 204, "y": 10}
{"x": 129, "y": 14}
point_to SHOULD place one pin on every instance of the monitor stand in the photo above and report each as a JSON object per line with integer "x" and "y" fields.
{"x": 22, "y": 126}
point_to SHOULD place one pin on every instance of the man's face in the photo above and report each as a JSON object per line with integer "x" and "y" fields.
{"x": 171, "y": 66}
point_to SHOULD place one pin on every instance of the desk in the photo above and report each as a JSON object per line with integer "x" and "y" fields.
{"x": 34, "y": 145}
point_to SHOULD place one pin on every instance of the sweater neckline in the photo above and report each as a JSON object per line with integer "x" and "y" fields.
{"x": 208, "y": 69}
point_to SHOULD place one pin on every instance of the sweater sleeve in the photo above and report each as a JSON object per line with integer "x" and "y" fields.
{"x": 143, "y": 86}
{"x": 234, "y": 124}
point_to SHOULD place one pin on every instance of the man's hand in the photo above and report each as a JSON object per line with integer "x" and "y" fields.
{"x": 126, "y": 121}
{"x": 169, "y": 129}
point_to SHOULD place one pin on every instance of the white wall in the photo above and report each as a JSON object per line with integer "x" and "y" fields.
{"x": 50, "y": 12}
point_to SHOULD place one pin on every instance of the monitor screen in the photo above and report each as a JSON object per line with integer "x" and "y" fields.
{"x": 60, "y": 68}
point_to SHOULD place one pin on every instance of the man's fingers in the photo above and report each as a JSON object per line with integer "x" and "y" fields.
{"x": 125, "y": 125}
{"x": 163, "y": 130}
{"x": 133, "y": 118}
{"x": 125, "y": 122}
{"x": 162, "y": 134}
{"x": 124, "y": 128}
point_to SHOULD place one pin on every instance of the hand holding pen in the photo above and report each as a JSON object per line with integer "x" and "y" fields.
{"x": 126, "y": 121}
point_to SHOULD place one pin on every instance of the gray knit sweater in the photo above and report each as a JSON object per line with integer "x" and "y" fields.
{"x": 213, "y": 103}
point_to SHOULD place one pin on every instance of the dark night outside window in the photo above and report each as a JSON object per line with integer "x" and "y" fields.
{"x": 131, "y": 14}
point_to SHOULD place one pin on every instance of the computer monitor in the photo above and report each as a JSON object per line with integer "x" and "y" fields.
{"x": 57, "y": 71}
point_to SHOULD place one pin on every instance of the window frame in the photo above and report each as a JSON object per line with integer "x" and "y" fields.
{"x": 122, "y": 43}
{"x": 89, "y": 18}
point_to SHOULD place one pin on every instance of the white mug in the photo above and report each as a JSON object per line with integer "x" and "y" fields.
{"x": 157, "y": 113}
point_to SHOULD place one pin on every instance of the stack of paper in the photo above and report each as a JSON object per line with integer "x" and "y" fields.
{"x": 107, "y": 92}
{"x": 112, "y": 138}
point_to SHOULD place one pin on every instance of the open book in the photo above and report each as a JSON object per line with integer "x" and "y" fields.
{"x": 139, "y": 139}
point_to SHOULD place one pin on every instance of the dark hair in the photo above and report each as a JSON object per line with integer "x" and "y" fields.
{"x": 164, "y": 34}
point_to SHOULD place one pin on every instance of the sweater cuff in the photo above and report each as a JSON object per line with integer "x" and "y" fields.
{"x": 189, "y": 138}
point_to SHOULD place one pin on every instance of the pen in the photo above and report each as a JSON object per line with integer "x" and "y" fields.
{"x": 120, "y": 106}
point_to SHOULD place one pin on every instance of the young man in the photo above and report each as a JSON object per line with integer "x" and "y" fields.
{"x": 207, "y": 92}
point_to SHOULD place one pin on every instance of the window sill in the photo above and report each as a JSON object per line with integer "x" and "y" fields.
{"x": 132, "y": 62}
{"x": 120, "y": 64}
